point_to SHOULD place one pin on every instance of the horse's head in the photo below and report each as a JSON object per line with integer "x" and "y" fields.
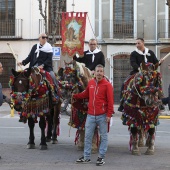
{"x": 68, "y": 81}
{"x": 73, "y": 79}
{"x": 149, "y": 83}
{"x": 20, "y": 86}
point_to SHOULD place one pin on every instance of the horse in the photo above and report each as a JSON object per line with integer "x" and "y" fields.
{"x": 75, "y": 77}
{"x": 33, "y": 96}
{"x": 141, "y": 95}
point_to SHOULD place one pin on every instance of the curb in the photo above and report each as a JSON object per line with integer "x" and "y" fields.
{"x": 164, "y": 117}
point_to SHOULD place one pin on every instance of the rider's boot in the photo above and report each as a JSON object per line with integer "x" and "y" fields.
{"x": 121, "y": 108}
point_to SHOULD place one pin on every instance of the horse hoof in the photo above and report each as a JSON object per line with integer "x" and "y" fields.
{"x": 149, "y": 152}
{"x": 43, "y": 147}
{"x": 54, "y": 141}
{"x": 48, "y": 140}
{"x": 135, "y": 152}
{"x": 94, "y": 151}
{"x": 80, "y": 148}
{"x": 30, "y": 146}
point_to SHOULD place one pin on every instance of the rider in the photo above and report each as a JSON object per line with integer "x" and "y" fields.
{"x": 136, "y": 58}
{"x": 91, "y": 59}
{"x": 41, "y": 56}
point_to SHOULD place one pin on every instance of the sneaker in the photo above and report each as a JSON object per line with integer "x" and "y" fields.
{"x": 100, "y": 161}
{"x": 82, "y": 160}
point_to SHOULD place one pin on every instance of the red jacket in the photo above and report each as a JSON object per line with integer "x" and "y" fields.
{"x": 100, "y": 95}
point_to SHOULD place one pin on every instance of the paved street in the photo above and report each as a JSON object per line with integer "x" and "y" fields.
{"x": 15, "y": 156}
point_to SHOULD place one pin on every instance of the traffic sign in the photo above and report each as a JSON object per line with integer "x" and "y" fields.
{"x": 56, "y": 53}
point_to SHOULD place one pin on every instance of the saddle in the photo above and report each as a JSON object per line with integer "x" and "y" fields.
{"x": 50, "y": 85}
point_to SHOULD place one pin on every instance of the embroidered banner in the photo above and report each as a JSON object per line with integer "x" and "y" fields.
{"x": 73, "y": 33}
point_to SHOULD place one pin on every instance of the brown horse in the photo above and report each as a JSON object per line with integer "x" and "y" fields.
{"x": 33, "y": 96}
{"x": 75, "y": 78}
{"x": 142, "y": 95}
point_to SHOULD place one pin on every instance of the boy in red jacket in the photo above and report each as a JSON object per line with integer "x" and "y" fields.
{"x": 100, "y": 109}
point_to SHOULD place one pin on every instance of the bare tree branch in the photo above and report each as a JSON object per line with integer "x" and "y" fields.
{"x": 54, "y": 18}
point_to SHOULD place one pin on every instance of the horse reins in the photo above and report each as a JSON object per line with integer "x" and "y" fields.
{"x": 136, "y": 88}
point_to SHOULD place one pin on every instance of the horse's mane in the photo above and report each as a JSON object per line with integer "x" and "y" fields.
{"x": 85, "y": 73}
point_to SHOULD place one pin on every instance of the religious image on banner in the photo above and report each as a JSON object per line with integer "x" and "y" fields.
{"x": 73, "y": 33}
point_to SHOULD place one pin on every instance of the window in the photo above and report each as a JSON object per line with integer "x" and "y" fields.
{"x": 7, "y": 17}
{"x": 123, "y": 21}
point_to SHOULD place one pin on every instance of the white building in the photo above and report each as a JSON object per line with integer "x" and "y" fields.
{"x": 115, "y": 23}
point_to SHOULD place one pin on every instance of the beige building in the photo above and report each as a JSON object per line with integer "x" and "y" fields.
{"x": 115, "y": 23}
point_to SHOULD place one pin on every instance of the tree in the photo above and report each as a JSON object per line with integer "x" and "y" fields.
{"x": 168, "y": 2}
{"x": 53, "y": 18}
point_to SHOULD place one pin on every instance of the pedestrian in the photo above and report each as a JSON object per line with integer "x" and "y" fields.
{"x": 139, "y": 55}
{"x": 100, "y": 109}
{"x": 3, "y": 98}
{"x": 41, "y": 56}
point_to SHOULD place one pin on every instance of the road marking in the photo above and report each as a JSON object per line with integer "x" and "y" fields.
{"x": 9, "y": 116}
{"x": 162, "y": 131}
{"x": 12, "y": 127}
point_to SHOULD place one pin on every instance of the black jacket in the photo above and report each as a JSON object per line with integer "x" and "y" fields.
{"x": 43, "y": 59}
{"x": 136, "y": 59}
{"x": 87, "y": 60}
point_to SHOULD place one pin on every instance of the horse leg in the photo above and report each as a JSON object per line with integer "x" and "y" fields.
{"x": 141, "y": 138}
{"x": 56, "y": 122}
{"x": 95, "y": 141}
{"x": 80, "y": 145}
{"x": 42, "y": 124}
{"x": 150, "y": 149}
{"x": 31, "y": 124}
{"x": 134, "y": 142}
{"x": 49, "y": 128}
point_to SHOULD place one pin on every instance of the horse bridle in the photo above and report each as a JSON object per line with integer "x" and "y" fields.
{"x": 135, "y": 87}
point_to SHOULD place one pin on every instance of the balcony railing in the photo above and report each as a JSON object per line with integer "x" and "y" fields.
{"x": 11, "y": 29}
{"x": 116, "y": 29}
{"x": 164, "y": 28}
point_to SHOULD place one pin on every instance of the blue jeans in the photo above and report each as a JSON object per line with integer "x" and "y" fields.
{"x": 90, "y": 126}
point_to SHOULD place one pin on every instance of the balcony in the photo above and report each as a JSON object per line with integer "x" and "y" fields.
{"x": 11, "y": 29}
{"x": 164, "y": 29}
{"x": 117, "y": 29}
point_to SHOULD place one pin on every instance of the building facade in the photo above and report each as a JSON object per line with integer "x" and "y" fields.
{"x": 115, "y": 23}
